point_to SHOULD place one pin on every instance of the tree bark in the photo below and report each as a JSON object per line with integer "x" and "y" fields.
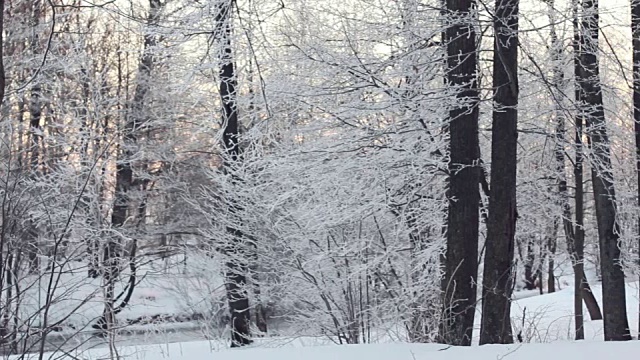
{"x": 551, "y": 253}
{"x": 236, "y": 266}
{"x": 616, "y": 326}
{"x": 35, "y": 104}
{"x": 460, "y": 261}
{"x": 498, "y": 265}
{"x": 635, "y": 35}
{"x": 575, "y": 234}
{"x": 35, "y": 131}
{"x": 529, "y": 277}
{"x": 124, "y": 169}
{"x": 2, "y": 73}
{"x": 135, "y": 120}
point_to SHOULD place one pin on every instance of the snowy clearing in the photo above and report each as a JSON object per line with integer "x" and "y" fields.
{"x": 587, "y": 350}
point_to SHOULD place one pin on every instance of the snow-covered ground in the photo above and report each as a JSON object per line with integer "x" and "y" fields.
{"x": 549, "y": 317}
{"x": 547, "y": 329}
{"x": 162, "y": 293}
{"x": 588, "y": 350}
{"x": 548, "y": 333}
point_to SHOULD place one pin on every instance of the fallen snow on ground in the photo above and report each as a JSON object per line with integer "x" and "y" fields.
{"x": 548, "y": 332}
{"x": 160, "y": 292}
{"x": 589, "y": 350}
{"x": 549, "y": 317}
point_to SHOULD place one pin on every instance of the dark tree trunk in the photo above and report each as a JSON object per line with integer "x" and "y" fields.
{"x": 498, "y": 265}
{"x": 35, "y": 104}
{"x": 93, "y": 265}
{"x": 540, "y": 279}
{"x": 35, "y": 131}
{"x": 529, "y": 277}
{"x": 2, "y": 86}
{"x": 2, "y": 74}
{"x": 585, "y": 290}
{"x": 567, "y": 225}
{"x": 551, "y": 253}
{"x": 616, "y": 326}
{"x": 135, "y": 120}
{"x": 575, "y": 235}
{"x": 635, "y": 30}
{"x": 237, "y": 267}
{"x": 460, "y": 261}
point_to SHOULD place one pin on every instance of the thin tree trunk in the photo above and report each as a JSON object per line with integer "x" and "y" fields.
{"x": 616, "y": 326}
{"x": 551, "y": 253}
{"x": 6, "y": 312}
{"x": 498, "y": 265}
{"x": 35, "y": 105}
{"x": 2, "y": 73}
{"x": 2, "y": 87}
{"x": 236, "y": 266}
{"x": 529, "y": 277}
{"x": 461, "y": 258}
{"x": 35, "y": 131}
{"x": 575, "y": 234}
{"x": 540, "y": 278}
{"x": 93, "y": 263}
{"x": 635, "y": 30}
{"x": 570, "y": 233}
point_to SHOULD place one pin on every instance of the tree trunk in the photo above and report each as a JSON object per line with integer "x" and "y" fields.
{"x": 135, "y": 120}
{"x": 616, "y": 326}
{"x": 35, "y": 104}
{"x": 237, "y": 267}
{"x": 575, "y": 235}
{"x": 3, "y": 330}
{"x": 582, "y": 289}
{"x": 2, "y": 73}
{"x": 124, "y": 169}
{"x": 498, "y": 265}
{"x": 569, "y": 232}
{"x": 460, "y": 261}
{"x": 529, "y": 278}
{"x": 551, "y": 253}
{"x": 635, "y": 30}
{"x": 35, "y": 131}
{"x": 540, "y": 279}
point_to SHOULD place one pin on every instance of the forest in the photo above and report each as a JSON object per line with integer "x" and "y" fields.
{"x": 358, "y": 171}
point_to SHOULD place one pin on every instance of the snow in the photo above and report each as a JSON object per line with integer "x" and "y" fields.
{"x": 77, "y": 301}
{"x": 586, "y": 350}
{"x": 549, "y": 317}
{"x": 547, "y": 332}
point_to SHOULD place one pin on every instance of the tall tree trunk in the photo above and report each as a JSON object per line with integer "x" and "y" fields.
{"x": 498, "y": 264}
{"x": 460, "y": 261}
{"x": 616, "y": 326}
{"x": 2, "y": 73}
{"x": 582, "y": 287}
{"x": 93, "y": 257}
{"x": 3, "y": 330}
{"x": 560, "y": 140}
{"x": 635, "y": 30}
{"x": 35, "y": 131}
{"x": 237, "y": 267}
{"x": 135, "y": 120}
{"x": 35, "y": 105}
{"x": 575, "y": 235}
